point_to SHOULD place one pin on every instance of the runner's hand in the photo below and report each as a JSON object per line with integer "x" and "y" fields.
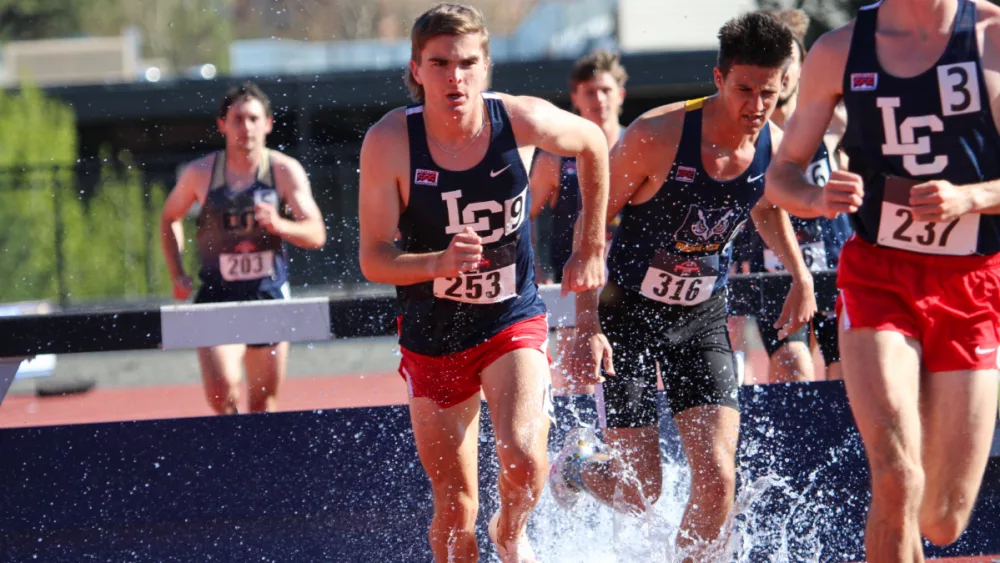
{"x": 799, "y": 308}
{"x": 463, "y": 255}
{"x": 842, "y": 193}
{"x": 182, "y": 287}
{"x": 591, "y": 351}
{"x": 583, "y": 272}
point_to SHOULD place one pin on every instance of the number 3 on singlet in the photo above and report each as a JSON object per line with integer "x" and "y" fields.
{"x": 680, "y": 280}
{"x": 899, "y": 228}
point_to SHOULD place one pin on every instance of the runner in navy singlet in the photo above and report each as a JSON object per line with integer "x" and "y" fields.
{"x": 597, "y": 90}
{"x": 819, "y": 238}
{"x": 253, "y": 200}
{"x": 451, "y": 175}
{"x": 919, "y": 303}
{"x": 686, "y": 178}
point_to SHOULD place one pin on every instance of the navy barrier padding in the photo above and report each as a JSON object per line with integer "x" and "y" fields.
{"x": 346, "y": 485}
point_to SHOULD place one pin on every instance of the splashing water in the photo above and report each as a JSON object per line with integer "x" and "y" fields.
{"x": 771, "y": 522}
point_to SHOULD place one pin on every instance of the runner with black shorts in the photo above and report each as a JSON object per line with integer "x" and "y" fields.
{"x": 819, "y": 238}
{"x": 686, "y": 178}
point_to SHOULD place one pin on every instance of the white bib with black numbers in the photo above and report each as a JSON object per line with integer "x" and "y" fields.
{"x": 494, "y": 281}
{"x": 680, "y": 280}
{"x": 898, "y": 228}
{"x": 247, "y": 266}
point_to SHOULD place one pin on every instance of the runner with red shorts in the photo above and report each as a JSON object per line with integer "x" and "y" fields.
{"x": 920, "y": 281}
{"x": 451, "y": 174}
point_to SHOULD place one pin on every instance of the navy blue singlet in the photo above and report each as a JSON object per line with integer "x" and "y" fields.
{"x": 240, "y": 260}
{"x": 448, "y": 315}
{"x": 903, "y": 131}
{"x": 676, "y": 247}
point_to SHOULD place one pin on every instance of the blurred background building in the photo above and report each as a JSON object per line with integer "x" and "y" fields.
{"x": 105, "y": 100}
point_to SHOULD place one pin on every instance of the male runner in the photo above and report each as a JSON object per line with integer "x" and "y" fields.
{"x": 597, "y": 91}
{"x": 687, "y": 177}
{"x": 452, "y": 174}
{"x": 820, "y": 239}
{"x": 253, "y": 200}
{"x": 920, "y": 280}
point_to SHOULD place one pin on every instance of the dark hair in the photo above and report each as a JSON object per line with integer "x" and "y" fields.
{"x": 798, "y": 22}
{"x": 593, "y": 63}
{"x": 245, "y": 91}
{"x": 754, "y": 39}
{"x": 443, "y": 19}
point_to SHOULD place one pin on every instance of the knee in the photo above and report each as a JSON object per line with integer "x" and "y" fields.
{"x": 223, "y": 399}
{"x": 945, "y": 529}
{"x": 898, "y": 484}
{"x": 263, "y": 401}
{"x": 455, "y": 511}
{"x": 652, "y": 488}
{"x": 943, "y": 518}
{"x": 522, "y": 466}
{"x": 647, "y": 474}
{"x": 716, "y": 485}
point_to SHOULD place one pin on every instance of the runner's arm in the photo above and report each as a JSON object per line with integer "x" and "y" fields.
{"x": 178, "y": 202}
{"x": 379, "y": 207}
{"x": 306, "y": 228}
{"x": 544, "y": 181}
{"x": 648, "y": 142}
{"x": 819, "y": 92}
{"x": 559, "y": 132}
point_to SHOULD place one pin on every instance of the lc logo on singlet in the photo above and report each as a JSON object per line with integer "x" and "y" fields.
{"x": 477, "y": 215}
{"x": 958, "y": 85}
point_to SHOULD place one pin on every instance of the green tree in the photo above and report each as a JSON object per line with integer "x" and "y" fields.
{"x": 116, "y": 251}
{"x": 40, "y": 19}
{"x": 37, "y": 150}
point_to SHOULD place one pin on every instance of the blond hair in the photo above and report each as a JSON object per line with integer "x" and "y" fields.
{"x": 443, "y": 19}
{"x": 796, "y": 20}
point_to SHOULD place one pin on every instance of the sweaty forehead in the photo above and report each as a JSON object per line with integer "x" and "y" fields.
{"x": 600, "y": 80}
{"x": 454, "y": 47}
{"x": 755, "y": 76}
{"x": 246, "y": 107}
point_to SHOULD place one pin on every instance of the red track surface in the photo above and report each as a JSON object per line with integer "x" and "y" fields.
{"x": 180, "y": 401}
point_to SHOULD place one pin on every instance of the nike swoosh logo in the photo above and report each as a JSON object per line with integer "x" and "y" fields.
{"x": 755, "y": 178}
{"x": 982, "y": 352}
{"x": 494, "y": 174}
{"x": 516, "y": 338}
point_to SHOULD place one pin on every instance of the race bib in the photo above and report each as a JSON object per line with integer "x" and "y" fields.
{"x": 813, "y": 253}
{"x": 493, "y": 282}
{"x": 899, "y": 229}
{"x": 247, "y": 266}
{"x": 680, "y": 280}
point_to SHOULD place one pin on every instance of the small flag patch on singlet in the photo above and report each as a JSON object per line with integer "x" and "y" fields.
{"x": 426, "y": 177}
{"x": 864, "y": 81}
{"x": 685, "y": 174}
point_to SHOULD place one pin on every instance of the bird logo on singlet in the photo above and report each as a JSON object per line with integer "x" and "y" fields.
{"x": 704, "y": 230}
